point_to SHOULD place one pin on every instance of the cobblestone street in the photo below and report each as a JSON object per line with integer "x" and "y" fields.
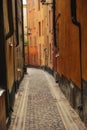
{"x": 40, "y": 105}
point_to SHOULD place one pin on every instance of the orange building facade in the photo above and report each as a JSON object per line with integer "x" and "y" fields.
{"x": 57, "y": 41}
{"x": 71, "y": 31}
{"x": 32, "y": 32}
{"x": 11, "y": 55}
{"x": 40, "y": 33}
{"x": 48, "y": 34}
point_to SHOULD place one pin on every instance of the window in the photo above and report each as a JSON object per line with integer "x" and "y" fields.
{"x": 34, "y": 59}
{"x": 50, "y": 21}
{"x": 47, "y": 40}
{"x": 40, "y": 52}
{"x": 38, "y": 4}
{"x": 35, "y": 40}
{"x": 50, "y": 52}
{"x": 30, "y": 40}
{"x": 57, "y": 31}
{"x": 39, "y": 28}
{"x": 48, "y": 45}
{"x": 42, "y": 27}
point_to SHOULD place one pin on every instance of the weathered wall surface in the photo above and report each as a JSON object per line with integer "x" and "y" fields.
{"x": 9, "y": 51}
{"x": 32, "y": 37}
{"x": 81, "y": 15}
{"x": 72, "y": 59}
{"x": 68, "y": 34}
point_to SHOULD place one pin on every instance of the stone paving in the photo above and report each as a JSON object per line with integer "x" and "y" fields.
{"x": 40, "y": 105}
{"x": 42, "y": 110}
{"x": 35, "y": 107}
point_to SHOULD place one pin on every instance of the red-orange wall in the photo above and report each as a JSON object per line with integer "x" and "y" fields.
{"x": 26, "y": 51}
{"x": 32, "y": 44}
{"x": 82, "y": 17}
{"x": 68, "y": 63}
{"x": 33, "y": 51}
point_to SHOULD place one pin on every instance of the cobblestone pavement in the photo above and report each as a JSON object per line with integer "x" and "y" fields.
{"x": 37, "y": 108}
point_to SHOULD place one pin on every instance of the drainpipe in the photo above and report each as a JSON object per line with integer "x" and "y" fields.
{"x": 3, "y": 79}
{"x": 22, "y": 26}
{"x": 3, "y": 70}
{"x": 25, "y": 70}
{"x": 54, "y": 33}
{"x": 10, "y": 19}
{"x": 16, "y": 19}
{"x": 77, "y": 23}
{"x": 54, "y": 26}
{"x": 8, "y": 35}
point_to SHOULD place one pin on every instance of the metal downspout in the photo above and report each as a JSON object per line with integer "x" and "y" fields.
{"x": 77, "y": 23}
{"x": 54, "y": 26}
{"x": 3, "y": 68}
{"x": 16, "y": 17}
{"x": 24, "y": 67}
{"x": 10, "y": 19}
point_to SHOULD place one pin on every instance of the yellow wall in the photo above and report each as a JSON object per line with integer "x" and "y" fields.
{"x": 40, "y": 16}
{"x": 68, "y": 40}
{"x": 14, "y": 55}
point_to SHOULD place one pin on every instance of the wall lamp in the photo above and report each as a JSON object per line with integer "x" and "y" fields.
{"x": 29, "y": 31}
{"x": 45, "y": 3}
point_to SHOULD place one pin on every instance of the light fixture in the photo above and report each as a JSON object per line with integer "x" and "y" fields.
{"x": 10, "y": 44}
{"x": 28, "y": 31}
{"x": 45, "y": 3}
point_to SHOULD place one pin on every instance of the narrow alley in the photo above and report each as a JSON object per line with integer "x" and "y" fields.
{"x": 40, "y": 105}
{"x": 43, "y": 65}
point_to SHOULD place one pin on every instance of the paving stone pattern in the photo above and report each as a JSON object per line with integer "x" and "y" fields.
{"x": 40, "y": 110}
